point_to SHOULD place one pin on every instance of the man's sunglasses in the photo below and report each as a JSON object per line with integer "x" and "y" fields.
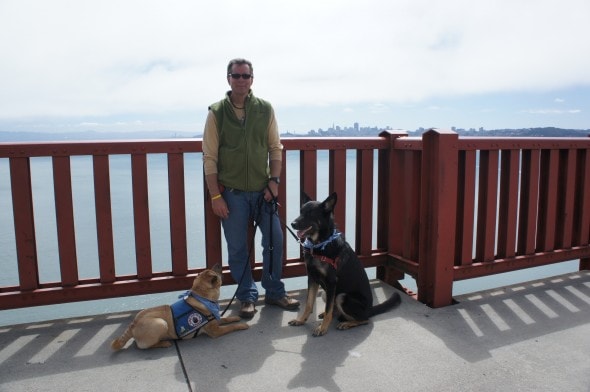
{"x": 237, "y": 76}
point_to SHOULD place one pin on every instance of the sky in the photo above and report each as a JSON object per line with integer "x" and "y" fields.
{"x": 122, "y": 65}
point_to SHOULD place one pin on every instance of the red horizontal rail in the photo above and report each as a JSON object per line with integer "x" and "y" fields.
{"x": 100, "y": 147}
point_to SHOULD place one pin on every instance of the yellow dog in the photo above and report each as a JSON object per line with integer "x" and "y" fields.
{"x": 197, "y": 310}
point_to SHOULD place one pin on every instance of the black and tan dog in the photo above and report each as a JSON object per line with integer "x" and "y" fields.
{"x": 332, "y": 264}
{"x": 196, "y": 310}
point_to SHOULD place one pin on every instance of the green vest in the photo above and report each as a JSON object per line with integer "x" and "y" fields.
{"x": 242, "y": 161}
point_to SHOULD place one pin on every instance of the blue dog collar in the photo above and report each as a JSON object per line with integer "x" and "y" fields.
{"x": 307, "y": 244}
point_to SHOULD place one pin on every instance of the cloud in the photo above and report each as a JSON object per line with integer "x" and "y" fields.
{"x": 108, "y": 58}
{"x": 552, "y": 111}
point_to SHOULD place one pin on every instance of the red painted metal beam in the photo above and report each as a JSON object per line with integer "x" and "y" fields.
{"x": 212, "y": 224}
{"x": 437, "y": 217}
{"x": 508, "y": 208}
{"x": 487, "y": 206}
{"x": 308, "y": 169}
{"x": 364, "y": 199}
{"x": 24, "y": 223}
{"x": 104, "y": 218}
{"x": 392, "y": 200}
{"x": 565, "y": 199}
{"x": 337, "y": 183}
{"x": 64, "y": 210}
{"x": 529, "y": 194}
{"x": 547, "y": 218}
{"x": 177, "y": 207}
{"x": 465, "y": 208}
{"x": 509, "y": 264}
{"x": 411, "y": 191}
{"x": 99, "y": 147}
{"x": 331, "y": 143}
{"x": 582, "y": 218}
{"x": 141, "y": 216}
{"x": 390, "y": 193}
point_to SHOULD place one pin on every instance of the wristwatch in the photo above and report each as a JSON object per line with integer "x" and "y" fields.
{"x": 275, "y": 179}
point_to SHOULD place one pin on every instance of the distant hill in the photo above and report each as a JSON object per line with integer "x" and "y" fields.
{"x": 527, "y": 132}
{"x": 6, "y": 136}
{"x": 524, "y": 132}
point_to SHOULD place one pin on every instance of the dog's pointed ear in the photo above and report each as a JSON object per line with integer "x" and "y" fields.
{"x": 304, "y": 198}
{"x": 217, "y": 268}
{"x": 330, "y": 202}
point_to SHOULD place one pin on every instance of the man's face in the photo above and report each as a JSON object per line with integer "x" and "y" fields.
{"x": 240, "y": 86}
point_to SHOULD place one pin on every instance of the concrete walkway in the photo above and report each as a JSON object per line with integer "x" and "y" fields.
{"x": 529, "y": 337}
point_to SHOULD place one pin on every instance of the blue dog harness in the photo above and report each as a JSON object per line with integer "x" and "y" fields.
{"x": 311, "y": 248}
{"x": 188, "y": 319}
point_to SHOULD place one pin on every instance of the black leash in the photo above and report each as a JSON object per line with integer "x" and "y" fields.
{"x": 275, "y": 201}
{"x": 246, "y": 265}
{"x": 275, "y": 206}
{"x": 184, "y": 372}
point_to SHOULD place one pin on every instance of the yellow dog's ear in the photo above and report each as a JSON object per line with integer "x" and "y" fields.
{"x": 217, "y": 268}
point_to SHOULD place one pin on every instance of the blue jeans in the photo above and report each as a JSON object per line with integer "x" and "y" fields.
{"x": 244, "y": 207}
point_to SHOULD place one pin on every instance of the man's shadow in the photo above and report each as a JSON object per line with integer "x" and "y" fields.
{"x": 214, "y": 364}
{"x": 323, "y": 355}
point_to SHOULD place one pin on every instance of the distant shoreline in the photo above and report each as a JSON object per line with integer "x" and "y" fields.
{"x": 24, "y": 136}
{"x": 522, "y": 132}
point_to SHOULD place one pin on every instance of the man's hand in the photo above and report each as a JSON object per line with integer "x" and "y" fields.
{"x": 220, "y": 207}
{"x": 272, "y": 187}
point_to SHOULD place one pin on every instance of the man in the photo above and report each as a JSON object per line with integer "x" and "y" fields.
{"x": 242, "y": 159}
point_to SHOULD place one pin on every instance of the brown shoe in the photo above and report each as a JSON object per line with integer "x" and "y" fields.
{"x": 247, "y": 310}
{"x": 286, "y": 302}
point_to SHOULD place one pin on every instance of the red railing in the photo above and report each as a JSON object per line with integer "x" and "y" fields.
{"x": 447, "y": 208}
{"x": 471, "y": 207}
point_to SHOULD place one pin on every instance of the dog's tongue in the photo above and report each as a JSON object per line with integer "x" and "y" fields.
{"x": 301, "y": 233}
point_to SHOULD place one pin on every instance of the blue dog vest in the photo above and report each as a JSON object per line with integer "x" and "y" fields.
{"x": 188, "y": 319}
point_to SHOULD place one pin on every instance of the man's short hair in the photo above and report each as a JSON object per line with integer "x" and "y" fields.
{"x": 239, "y": 61}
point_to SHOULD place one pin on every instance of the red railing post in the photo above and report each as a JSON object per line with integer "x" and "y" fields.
{"x": 213, "y": 252}
{"x": 64, "y": 211}
{"x": 364, "y": 197}
{"x": 438, "y": 206}
{"x": 141, "y": 216}
{"x": 104, "y": 218}
{"x": 390, "y": 205}
{"x": 177, "y": 207}
{"x": 582, "y": 205}
{"x": 24, "y": 223}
